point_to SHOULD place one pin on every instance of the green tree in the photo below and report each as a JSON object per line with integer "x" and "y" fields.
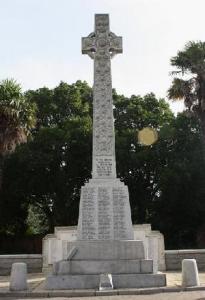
{"x": 17, "y": 117}
{"x": 50, "y": 169}
{"x": 178, "y": 207}
{"x": 165, "y": 179}
{"x": 137, "y": 165}
{"x": 190, "y": 65}
{"x": 55, "y": 106}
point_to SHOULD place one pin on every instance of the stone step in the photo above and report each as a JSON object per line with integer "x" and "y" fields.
{"x": 92, "y": 281}
{"x": 105, "y": 250}
{"x": 104, "y": 266}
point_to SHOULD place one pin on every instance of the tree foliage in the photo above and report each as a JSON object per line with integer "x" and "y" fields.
{"x": 165, "y": 180}
{"x": 17, "y": 116}
{"x": 190, "y": 64}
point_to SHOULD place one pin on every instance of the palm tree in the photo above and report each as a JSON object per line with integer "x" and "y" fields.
{"x": 17, "y": 117}
{"x": 190, "y": 64}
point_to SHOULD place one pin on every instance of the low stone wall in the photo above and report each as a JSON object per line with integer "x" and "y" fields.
{"x": 173, "y": 258}
{"x": 33, "y": 261}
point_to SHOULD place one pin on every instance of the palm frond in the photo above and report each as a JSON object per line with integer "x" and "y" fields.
{"x": 17, "y": 115}
{"x": 178, "y": 89}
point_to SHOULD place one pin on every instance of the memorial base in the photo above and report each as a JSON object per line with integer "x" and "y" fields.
{"x": 92, "y": 281}
{"x": 87, "y": 260}
{"x": 55, "y": 246}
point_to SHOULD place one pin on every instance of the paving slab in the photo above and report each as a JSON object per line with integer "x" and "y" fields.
{"x": 173, "y": 290}
{"x": 163, "y": 296}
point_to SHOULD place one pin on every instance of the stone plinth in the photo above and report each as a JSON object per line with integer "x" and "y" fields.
{"x": 122, "y": 266}
{"x": 104, "y": 211}
{"x": 92, "y": 281}
{"x": 124, "y": 260}
{"x": 56, "y": 246}
{"x": 101, "y": 250}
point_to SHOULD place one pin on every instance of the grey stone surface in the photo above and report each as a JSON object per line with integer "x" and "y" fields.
{"x": 104, "y": 204}
{"x": 101, "y": 250}
{"x": 72, "y": 253}
{"x": 124, "y": 294}
{"x": 18, "y": 280}
{"x": 55, "y": 246}
{"x": 173, "y": 258}
{"x": 33, "y": 261}
{"x": 63, "y": 282}
{"x": 92, "y": 281}
{"x": 146, "y": 266}
{"x": 190, "y": 275}
{"x": 139, "y": 280}
{"x": 105, "y": 211}
{"x": 97, "y": 267}
{"x": 106, "y": 293}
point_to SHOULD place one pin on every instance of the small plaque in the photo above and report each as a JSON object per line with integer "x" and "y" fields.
{"x": 104, "y": 167}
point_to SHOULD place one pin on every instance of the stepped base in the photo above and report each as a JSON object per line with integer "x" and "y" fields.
{"x": 104, "y": 266}
{"x": 91, "y": 281}
{"x": 88, "y": 260}
{"x": 106, "y": 250}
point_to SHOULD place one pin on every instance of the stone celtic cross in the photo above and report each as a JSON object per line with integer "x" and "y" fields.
{"x": 101, "y": 45}
{"x": 104, "y": 212}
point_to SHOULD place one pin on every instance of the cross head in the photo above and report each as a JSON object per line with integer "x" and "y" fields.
{"x": 102, "y": 40}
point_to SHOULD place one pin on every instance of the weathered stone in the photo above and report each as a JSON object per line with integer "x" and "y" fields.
{"x": 101, "y": 250}
{"x": 174, "y": 258}
{"x": 138, "y": 280}
{"x": 64, "y": 235}
{"x": 33, "y": 261}
{"x": 104, "y": 205}
{"x": 63, "y": 282}
{"x": 18, "y": 280}
{"x": 98, "y": 266}
{"x": 146, "y": 266}
{"x": 92, "y": 281}
{"x": 190, "y": 275}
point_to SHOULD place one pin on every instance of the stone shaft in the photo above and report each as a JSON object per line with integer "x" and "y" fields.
{"x": 104, "y": 205}
{"x": 102, "y": 45}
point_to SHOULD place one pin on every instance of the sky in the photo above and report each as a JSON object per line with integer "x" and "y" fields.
{"x": 41, "y": 41}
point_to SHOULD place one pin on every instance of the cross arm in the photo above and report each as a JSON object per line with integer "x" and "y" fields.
{"x": 88, "y": 45}
{"x": 115, "y": 44}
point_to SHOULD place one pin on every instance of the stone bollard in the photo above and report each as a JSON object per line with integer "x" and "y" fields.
{"x": 190, "y": 275}
{"x": 18, "y": 279}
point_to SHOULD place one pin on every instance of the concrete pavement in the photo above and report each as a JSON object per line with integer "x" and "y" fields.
{"x": 172, "y": 291}
{"x": 199, "y": 295}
